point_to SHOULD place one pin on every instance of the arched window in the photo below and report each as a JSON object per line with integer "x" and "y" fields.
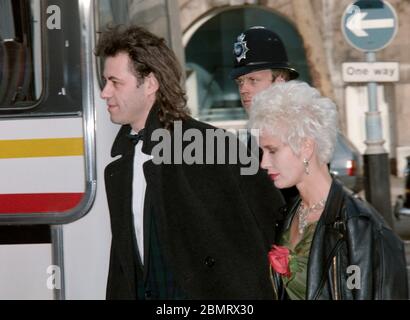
{"x": 212, "y": 94}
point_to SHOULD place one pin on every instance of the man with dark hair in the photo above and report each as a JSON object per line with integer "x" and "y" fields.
{"x": 195, "y": 231}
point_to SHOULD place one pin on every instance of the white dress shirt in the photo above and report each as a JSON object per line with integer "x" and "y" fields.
{"x": 139, "y": 186}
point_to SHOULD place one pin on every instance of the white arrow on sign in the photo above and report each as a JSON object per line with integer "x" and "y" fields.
{"x": 356, "y": 24}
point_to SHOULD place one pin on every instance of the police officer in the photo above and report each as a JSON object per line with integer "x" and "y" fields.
{"x": 260, "y": 59}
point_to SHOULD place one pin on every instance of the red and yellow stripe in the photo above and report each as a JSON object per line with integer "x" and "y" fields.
{"x": 40, "y": 148}
{"x": 38, "y": 202}
{"x": 34, "y": 148}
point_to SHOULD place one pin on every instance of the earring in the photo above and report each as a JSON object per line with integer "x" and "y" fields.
{"x": 306, "y": 164}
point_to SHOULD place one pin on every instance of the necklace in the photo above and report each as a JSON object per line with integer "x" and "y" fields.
{"x": 304, "y": 212}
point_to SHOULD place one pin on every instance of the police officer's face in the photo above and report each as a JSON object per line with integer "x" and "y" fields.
{"x": 252, "y": 83}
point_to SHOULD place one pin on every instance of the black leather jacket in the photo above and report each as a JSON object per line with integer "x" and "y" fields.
{"x": 352, "y": 242}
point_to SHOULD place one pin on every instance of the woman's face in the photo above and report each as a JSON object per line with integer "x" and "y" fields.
{"x": 284, "y": 167}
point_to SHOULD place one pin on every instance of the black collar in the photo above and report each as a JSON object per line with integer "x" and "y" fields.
{"x": 122, "y": 144}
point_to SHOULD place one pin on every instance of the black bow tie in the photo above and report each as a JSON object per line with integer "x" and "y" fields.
{"x": 134, "y": 138}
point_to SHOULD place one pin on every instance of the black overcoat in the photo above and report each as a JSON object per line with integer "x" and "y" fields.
{"x": 215, "y": 226}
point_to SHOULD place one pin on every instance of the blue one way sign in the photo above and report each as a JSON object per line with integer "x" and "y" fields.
{"x": 369, "y": 25}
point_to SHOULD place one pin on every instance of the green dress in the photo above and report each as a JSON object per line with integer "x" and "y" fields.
{"x": 296, "y": 285}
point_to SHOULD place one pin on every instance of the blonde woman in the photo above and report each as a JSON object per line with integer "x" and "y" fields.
{"x": 333, "y": 245}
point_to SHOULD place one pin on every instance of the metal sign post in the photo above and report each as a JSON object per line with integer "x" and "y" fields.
{"x": 369, "y": 26}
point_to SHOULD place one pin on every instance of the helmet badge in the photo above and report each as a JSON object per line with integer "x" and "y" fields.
{"x": 239, "y": 48}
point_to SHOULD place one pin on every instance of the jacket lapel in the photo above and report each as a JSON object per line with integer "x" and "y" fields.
{"x": 150, "y": 177}
{"x": 119, "y": 175}
{"x": 324, "y": 243}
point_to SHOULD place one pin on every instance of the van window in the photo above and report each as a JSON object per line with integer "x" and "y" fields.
{"x": 40, "y": 63}
{"x": 20, "y": 63}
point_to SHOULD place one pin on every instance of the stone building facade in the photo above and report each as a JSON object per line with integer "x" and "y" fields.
{"x": 318, "y": 23}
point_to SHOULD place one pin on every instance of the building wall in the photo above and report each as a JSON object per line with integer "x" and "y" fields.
{"x": 327, "y": 19}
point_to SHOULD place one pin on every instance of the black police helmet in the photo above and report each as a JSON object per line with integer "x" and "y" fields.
{"x": 259, "y": 49}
